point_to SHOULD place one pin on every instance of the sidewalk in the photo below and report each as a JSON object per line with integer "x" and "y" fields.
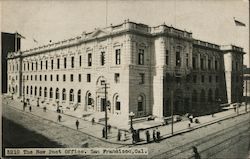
{"x": 95, "y": 130}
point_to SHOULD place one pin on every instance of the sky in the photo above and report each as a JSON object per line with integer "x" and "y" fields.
{"x": 56, "y": 20}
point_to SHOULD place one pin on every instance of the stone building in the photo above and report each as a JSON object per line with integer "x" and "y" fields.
{"x": 141, "y": 65}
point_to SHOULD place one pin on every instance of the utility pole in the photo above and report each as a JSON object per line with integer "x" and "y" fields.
{"x": 106, "y": 113}
{"x": 246, "y": 92}
{"x": 172, "y": 111}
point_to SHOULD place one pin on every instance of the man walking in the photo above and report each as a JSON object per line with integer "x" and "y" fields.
{"x": 154, "y": 137}
{"x": 147, "y": 136}
{"x": 30, "y": 108}
{"x": 59, "y": 117}
{"x": 77, "y": 124}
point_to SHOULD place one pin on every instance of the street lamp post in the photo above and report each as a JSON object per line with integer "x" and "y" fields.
{"x": 105, "y": 107}
{"x": 23, "y": 93}
{"x": 131, "y": 115}
{"x": 37, "y": 101}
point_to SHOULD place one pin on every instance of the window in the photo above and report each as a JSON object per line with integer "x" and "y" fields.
{"x": 216, "y": 64}
{"x": 202, "y": 63}
{"x": 65, "y": 62}
{"x": 102, "y": 58}
{"x": 209, "y": 64}
{"x": 45, "y": 77}
{"x": 140, "y": 103}
{"x": 80, "y": 61}
{"x": 117, "y": 77}
{"x": 46, "y": 64}
{"x": 27, "y": 90}
{"x": 117, "y": 103}
{"x": 41, "y": 65}
{"x": 178, "y": 59}
{"x": 217, "y": 79}
{"x": 194, "y": 78}
{"x": 31, "y": 90}
{"x": 64, "y": 94}
{"x": 32, "y": 66}
{"x": 194, "y": 63}
{"x": 24, "y": 66}
{"x": 210, "y": 79}
{"x": 72, "y": 61}
{"x": 89, "y": 59}
{"x": 57, "y": 77}
{"x": 27, "y": 77}
{"x": 28, "y": 66}
{"x": 40, "y": 77}
{"x": 167, "y": 58}
{"x": 40, "y": 91}
{"x": 89, "y": 99}
{"x": 31, "y": 77}
{"x": 118, "y": 56}
{"x": 51, "y": 93}
{"x": 52, "y": 64}
{"x": 88, "y": 77}
{"x": 236, "y": 66}
{"x": 51, "y": 77}
{"x": 79, "y": 96}
{"x": 141, "y": 57}
{"x": 141, "y": 78}
{"x": 71, "y": 95}
{"x": 36, "y": 65}
{"x": 79, "y": 77}
{"x": 187, "y": 57}
{"x": 57, "y": 93}
{"x": 45, "y": 92}
{"x": 64, "y": 78}
{"x": 202, "y": 78}
{"x": 58, "y": 63}
{"x": 71, "y": 78}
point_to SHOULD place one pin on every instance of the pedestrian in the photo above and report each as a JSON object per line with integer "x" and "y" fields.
{"x": 103, "y": 132}
{"x": 30, "y": 108}
{"x": 109, "y": 128}
{"x": 154, "y": 137}
{"x": 147, "y": 136}
{"x": 59, "y": 117}
{"x": 191, "y": 118}
{"x": 138, "y": 135}
{"x": 234, "y": 108}
{"x": 158, "y": 135}
{"x": 196, "y": 153}
{"x": 93, "y": 121}
{"x": 133, "y": 137}
{"x": 77, "y": 124}
{"x": 44, "y": 109}
{"x": 119, "y": 135}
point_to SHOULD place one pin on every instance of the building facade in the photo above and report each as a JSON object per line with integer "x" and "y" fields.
{"x": 141, "y": 65}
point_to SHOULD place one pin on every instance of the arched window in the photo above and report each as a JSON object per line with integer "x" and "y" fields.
{"x": 89, "y": 99}
{"x": 79, "y": 96}
{"x": 210, "y": 95}
{"x": 45, "y": 92}
{"x": 202, "y": 96}
{"x": 31, "y": 90}
{"x": 51, "y": 92}
{"x": 57, "y": 93}
{"x": 71, "y": 95}
{"x": 117, "y": 103}
{"x": 35, "y": 91}
{"x": 64, "y": 94}
{"x": 140, "y": 103}
{"x": 40, "y": 91}
{"x": 27, "y": 90}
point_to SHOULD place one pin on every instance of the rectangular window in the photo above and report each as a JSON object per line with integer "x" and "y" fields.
{"x": 178, "y": 59}
{"x": 64, "y": 78}
{"x": 27, "y": 77}
{"x": 141, "y": 57}
{"x": 187, "y": 57}
{"x": 65, "y": 62}
{"x": 194, "y": 63}
{"x": 58, "y": 63}
{"x": 32, "y": 66}
{"x": 36, "y": 66}
{"x": 210, "y": 79}
{"x": 72, "y": 61}
{"x": 141, "y": 78}
{"x": 209, "y": 64}
{"x": 52, "y": 64}
{"x": 202, "y": 64}
{"x": 40, "y": 77}
{"x": 79, "y": 77}
{"x": 194, "y": 78}
{"x": 31, "y": 77}
{"x": 102, "y": 58}
{"x": 80, "y": 61}
{"x": 45, "y": 77}
{"x": 51, "y": 77}
{"x": 118, "y": 105}
{"x": 118, "y": 56}
{"x": 88, "y": 77}
{"x": 167, "y": 58}
{"x": 41, "y": 63}
{"x": 89, "y": 59}
{"x": 217, "y": 79}
{"x": 24, "y": 66}
{"x": 28, "y": 66}
{"x": 202, "y": 78}
{"x": 71, "y": 77}
{"x": 117, "y": 78}
{"x": 46, "y": 64}
{"x": 57, "y": 77}
{"x": 35, "y": 77}
{"x": 216, "y": 64}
